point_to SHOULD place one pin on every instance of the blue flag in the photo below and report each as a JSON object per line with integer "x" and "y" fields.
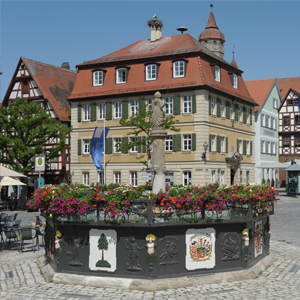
{"x": 97, "y": 146}
{"x": 298, "y": 103}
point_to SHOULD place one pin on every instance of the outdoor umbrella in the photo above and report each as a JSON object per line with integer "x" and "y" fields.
{"x": 6, "y": 181}
{"x": 275, "y": 165}
{"x": 7, "y": 172}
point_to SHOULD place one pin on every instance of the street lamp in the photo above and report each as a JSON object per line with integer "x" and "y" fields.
{"x": 205, "y": 147}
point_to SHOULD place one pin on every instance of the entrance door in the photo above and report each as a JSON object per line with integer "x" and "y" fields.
{"x": 232, "y": 173}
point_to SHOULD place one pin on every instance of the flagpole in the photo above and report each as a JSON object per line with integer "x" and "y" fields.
{"x": 104, "y": 173}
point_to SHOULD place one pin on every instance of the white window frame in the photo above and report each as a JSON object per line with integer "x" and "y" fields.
{"x": 133, "y": 178}
{"x": 247, "y": 115}
{"x": 116, "y": 141}
{"x": 121, "y": 75}
{"x": 86, "y": 146}
{"x": 231, "y": 111}
{"x": 223, "y": 144}
{"x": 212, "y": 105}
{"x": 235, "y": 81}
{"x": 187, "y": 142}
{"x": 98, "y": 77}
{"x": 118, "y": 110}
{"x": 134, "y": 107}
{"x": 101, "y": 108}
{"x": 169, "y": 143}
{"x": 222, "y": 173}
{"x": 263, "y": 120}
{"x": 247, "y": 147}
{"x": 269, "y": 147}
{"x": 151, "y": 72}
{"x": 187, "y": 178}
{"x": 178, "y": 69}
{"x": 263, "y": 146}
{"x": 149, "y": 103}
{"x": 187, "y": 104}
{"x": 222, "y": 108}
{"x": 212, "y": 176}
{"x": 240, "y": 113}
{"x": 213, "y": 143}
{"x": 274, "y": 148}
{"x": 275, "y": 103}
{"x": 134, "y": 149}
{"x": 269, "y": 122}
{"x": 169, "y": 105}
{"x": 86, "y": 178}
{"x": 86, "y": 113}
{"x": 217, "y": 73}
{"x": 117, "y": 177}
{"x": 274, "y": 123}
{"x": 240, "y": 147}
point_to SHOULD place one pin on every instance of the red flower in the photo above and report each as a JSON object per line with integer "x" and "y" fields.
{"x": 109, "y": 192}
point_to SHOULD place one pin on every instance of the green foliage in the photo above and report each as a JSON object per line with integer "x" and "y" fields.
{"x": 263, "y": 181}
{"x": 142, "y": 123}
{"x": 102, "y": 242}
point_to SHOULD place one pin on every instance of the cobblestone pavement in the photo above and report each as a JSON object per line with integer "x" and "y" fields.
{"x": 21, "y": 278}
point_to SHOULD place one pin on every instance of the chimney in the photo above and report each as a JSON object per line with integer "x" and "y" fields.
{"x": 65, "y": 65}
{"x": 155, "y": 26}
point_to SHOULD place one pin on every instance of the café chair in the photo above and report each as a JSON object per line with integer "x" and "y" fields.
{"x": 27, "y": 234}
{"x": 9, "y": 234}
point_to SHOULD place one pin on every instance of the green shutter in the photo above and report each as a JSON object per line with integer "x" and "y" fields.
{"x": 236, "y": 115}
{"x": 244, "y": 115}
{"x": 218, "y": 107}
{"x": 177, "y": 105}
{"x": 144, "y": 145}
{"x": 209, "y": 103}
{"x": 176, "y": 142}
{"x": 237, "y": 145}
{"x": 194, "y": 142}
{"x": 79, "y": 147}
{"x": 210, "y": 143}
{"x": 142, "y": 102}
{"x": 251, "y": 148}
{"x": 226, "y": 144}
{"x": 250, "y": 116}
{"x": 125, "y": 109}
{"x": 218, "y": 143}
{"x": 139, "y": 148}
{"x": 244, "y": 148}
{"x": 227, "y": 110}
{"x": 124, "y": 141}
{"x": 79, "y": 113}
{"x": 108, "y": 112}
{"x": 108, "y": 146}
{"x": 93, "y": 112}
{"x": 194, "y": 108}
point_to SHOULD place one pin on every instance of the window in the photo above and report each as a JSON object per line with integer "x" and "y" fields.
{"x": 134, "y": 149}
{"x": 187, "y": 104}
{"x": 222, "y": 178}
{"x": 150, "y": 104}
{"x": 86, "y": 110}
{"x": 121, "y": 75}
{"x": 247, "y": 147}
{"x": 290, "y": 102}
{"x": 241, "y": 176}
{"x": 101, "y": 111}
{"x": 97, "y": 78}
{"x": 213, "y": 143}
{"x": 187, "y": 178}
{"x": 263, "y": 120}
{"x": 86, "y": 146}
{"x": 286, "y": 120}
{"x": 231, "y": 111}
{"x": 187, "y": 142}
{"x": 100, "y": 178}
{"x": 247, "y": 115}
{"x": 286, "y": 141}
{"x": 263, "y": 147}
{"x": 240, "y": 113}
{"x": 117, "y": 110}
{"x": 217, "y": 73}
{"x": 275, "y": 105}
{"x": 213, "y": 172}
{"x": 133, "y": 178}
{"x": 272, "y": 123}
{"x": 213, "y": 104}
{"x": 234, "y": 81}
{"x": 297, "y": 120}
{"x": 134, "y": 108}
{"x": 297, "y": 141}
{"x": 222, "y": 144}
{"x": 178, "y": 69}
{"x": 274, "y": 147}
{"x": 117, "y": 177}
{"x": 117, "y": 141}
{"x": 151, "y": 72}
{"x": 247, "y": 177}
{"x": 85, "y": 178}
{"x": 169, "y": 143}
{"x": 269, "y": 147}
{"x": 222, "y": 109}
{"x": 169, "y": 106}
{"x": 269, "y": 122}
{"x": 239, "y": 146}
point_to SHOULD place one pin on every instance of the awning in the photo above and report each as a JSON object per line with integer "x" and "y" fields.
{"x": 7, "y": 172}
{"x": 6, "y": 181}
{"x": 275, "y": 165}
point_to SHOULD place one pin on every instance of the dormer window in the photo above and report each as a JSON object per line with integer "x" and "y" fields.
{"x": 151, "y": 72}
{"x": 235, "y": 81}
{"x": 121, "y": 75}
{"x": 98, "y": 77}
{"x": 217, "y": 73}
{"x": 179, "y": 69}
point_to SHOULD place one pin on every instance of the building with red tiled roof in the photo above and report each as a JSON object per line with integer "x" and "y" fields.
{"x": 50, "y": 86}
{"x": 206, "y": 94}
{"x": 289, "y": 129}
{"x": 267, "y": 95}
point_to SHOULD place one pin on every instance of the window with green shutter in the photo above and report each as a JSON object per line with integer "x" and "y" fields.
{"x": 79, "y": 109}
{"x": 194, "y": 108}
{"x": 236, "y": 114}
{"x": 176, "y": 142}
{"x": 93, "y": 112}
{"x": 194, "y": 142}
{"x": 125, "y": 109}
{"x": 250, "y": 116}
{"x": 251, "y": 148}
{"x": 142, "y": 102}
{"x": 209, "y": 149}
{"x": 218, "y": 144}
{"x": 226, "y": 144}
{"x": 209, "y": 104}
{"x": 218, "y": 107}
{"x": 108, "y": 113}
{"x": 139, "y": 148}
{"x": 227, "y": 110}
{"x": 125, "y": 141}
{"x": 108, "y": 146}
{"x": 245, "y": 147}
{"x": 177, "y": 105}
{"x": 244, "y": 115}
{"x": 144, "y": 145}
{"x": 79, "y": 147}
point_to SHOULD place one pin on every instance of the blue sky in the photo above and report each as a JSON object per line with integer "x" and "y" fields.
{"x": 265, "y": 33}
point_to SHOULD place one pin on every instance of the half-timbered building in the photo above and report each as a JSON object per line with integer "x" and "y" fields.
{"x": 49, "y": 86}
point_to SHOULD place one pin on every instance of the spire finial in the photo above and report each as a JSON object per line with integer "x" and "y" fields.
{"x": 233, "y": 51}
{"x": 211, "y": 5}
